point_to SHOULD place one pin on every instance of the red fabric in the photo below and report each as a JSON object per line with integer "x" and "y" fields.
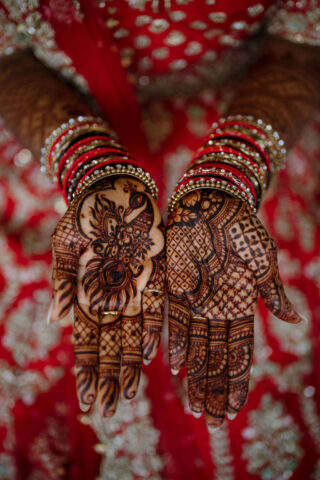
{"x": 42, "y": 416}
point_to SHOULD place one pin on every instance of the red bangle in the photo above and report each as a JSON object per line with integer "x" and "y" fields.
{"x": 233, "y": 151}
{"x": 110, "y": 161}
{"x": 244, "y": 124}
{"x": 70, "y": 128}
{"x": 246, "y": 139}
{"x": 97, "y": 151}
{"x": 233, "y": 170}
{"x": 70, "y": 151}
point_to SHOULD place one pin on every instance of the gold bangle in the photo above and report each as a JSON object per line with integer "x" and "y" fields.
{"x": 66, "y": 130}
{"x": 275, "y": 141}
{"x": 212, "y": 183}
{"x": 232, "y": 159}
{"x": 83, "y": 149}
{"x": 55, "y": 155}
{"x": 117, "y": 170}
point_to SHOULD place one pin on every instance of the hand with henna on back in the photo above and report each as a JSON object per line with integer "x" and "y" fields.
{"x": 108, "y": 256}
{"x": 219, "y": 257}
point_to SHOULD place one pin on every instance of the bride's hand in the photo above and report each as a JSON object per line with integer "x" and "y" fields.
{"x": 219, "y": 256}
{"x": 108, "y": 262}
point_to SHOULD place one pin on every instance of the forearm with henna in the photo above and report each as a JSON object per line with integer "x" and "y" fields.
{"x": 34, "y": 101}
{"x": 283, "y": 87}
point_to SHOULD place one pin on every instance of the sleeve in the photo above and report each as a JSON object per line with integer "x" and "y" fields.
{"x": 297, "y": 21}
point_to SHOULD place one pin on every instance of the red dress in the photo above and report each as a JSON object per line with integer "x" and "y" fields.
{"x": 169, "y": 66}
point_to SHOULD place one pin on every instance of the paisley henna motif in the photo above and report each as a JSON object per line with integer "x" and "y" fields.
{"x": 219, "y": 256}
{"x": 108, "y": 252}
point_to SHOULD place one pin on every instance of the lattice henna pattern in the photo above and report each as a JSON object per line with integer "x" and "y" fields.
{"x": 219, "y": 256}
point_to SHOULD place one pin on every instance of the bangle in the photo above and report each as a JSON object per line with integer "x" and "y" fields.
{"x": 85, "y": 150}
{"x": 105, "y": 170}
{"x": 71, "y": 186}
{"x": 239, "y": 157}
{"x": 218, "y": 168}
{"x": 67, "y": 158}
{"x": 61, "y": 135}
{"x": 217, "y": 184}
{"x": 239, "y": 162}
{"x": 262, "y": 132}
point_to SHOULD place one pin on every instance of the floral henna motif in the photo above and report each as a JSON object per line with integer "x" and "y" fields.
{"x": 120, "y": 245}
{"x": 109, "y": 262}
{"x": 219, "y": 256}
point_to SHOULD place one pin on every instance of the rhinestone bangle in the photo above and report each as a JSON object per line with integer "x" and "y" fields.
{"x": 117, "y": 170}
{"x": 257, "y": 125}
{"x": 213, "y": 183}
{"x": 64, "y": 132}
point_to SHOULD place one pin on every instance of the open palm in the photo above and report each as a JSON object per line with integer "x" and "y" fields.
{"x": 219, "y": 256}
{"x": 108, "y": 262}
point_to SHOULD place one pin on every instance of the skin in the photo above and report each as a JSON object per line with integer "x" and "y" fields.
{"x": 46, "y": 102}
{"x": 219, "y": 255}
{"x": 107, "y": 359}
{"x": 108, "y": 256}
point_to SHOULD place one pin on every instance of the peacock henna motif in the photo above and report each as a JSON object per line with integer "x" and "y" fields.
{"x": 109, "y": 256}
{"x": 120, "y": 244}
{"x": 219, "y": 256}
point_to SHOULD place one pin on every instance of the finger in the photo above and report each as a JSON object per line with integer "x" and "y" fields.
{"x": 153, "y": 300}
{"x": 240, "y": 353}
{"x": 153, "y": 309}
{"x": 251, "y": 241}
{"x": 86, "y": 345}
{"x": 179, "y": 317}
{"x": 217, "y": 376}
{"x": 67, "y": 245}
{"x": 131, "y": 355}
{"x": 197, "y": 362}
{"x": 64, "y": 275}
{"x": 109, "y": 363}
{"x": 272, "y": 291}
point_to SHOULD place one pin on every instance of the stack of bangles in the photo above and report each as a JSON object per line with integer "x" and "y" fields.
{"x": 84, "y": 150}
{"x": 239, "y": 157}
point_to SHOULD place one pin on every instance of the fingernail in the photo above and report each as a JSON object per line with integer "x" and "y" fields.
{"x": 196, "y": 414}
{"x": 174, "y": 372}
{"x": 213, "y": 429}
{"x": 48, "y": 321}
{"x": 84, "y": 407}
{"x": 231, "y": 416}
{"x": 146, "y": 362}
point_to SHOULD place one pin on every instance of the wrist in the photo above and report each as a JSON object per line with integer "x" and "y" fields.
{"x": 85, "y": 150}
{"x": 239, "y": 157}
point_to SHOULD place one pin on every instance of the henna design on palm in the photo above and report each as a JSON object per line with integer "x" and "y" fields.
{"x": 108, "y": 261}
{"x": 219, "y": 256}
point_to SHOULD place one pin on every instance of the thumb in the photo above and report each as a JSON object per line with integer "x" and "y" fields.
{"x": 272, "y": 292}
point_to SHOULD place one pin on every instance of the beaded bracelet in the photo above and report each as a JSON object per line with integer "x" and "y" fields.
{"x": 239, "y": 157}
